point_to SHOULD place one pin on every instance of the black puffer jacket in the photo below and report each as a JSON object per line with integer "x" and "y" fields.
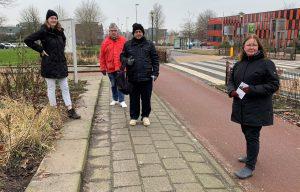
{"x": 255, "y": 109}
{"x": 146, "y": 61}
{"x": 53, "y": 43}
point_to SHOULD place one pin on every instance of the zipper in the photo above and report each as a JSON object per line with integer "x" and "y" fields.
{"x": 242, "y": 117}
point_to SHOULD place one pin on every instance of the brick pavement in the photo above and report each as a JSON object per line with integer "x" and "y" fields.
{"x": 161, "y": 157}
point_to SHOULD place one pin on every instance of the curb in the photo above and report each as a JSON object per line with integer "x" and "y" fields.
{"x": 62, "y": 168}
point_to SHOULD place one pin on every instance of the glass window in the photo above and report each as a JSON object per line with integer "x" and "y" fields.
{"x": 295, "y": 13}
{"x": 290, "y": 24}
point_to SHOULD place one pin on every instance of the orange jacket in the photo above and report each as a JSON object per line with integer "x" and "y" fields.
{"x": 109, "y": 58}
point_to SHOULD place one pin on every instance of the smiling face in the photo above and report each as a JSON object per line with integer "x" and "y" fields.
{"x": 251, "y": 47}
{"x": 52, "y": 21}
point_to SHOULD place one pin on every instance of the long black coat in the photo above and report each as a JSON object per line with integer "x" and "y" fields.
{"x": 255, "y": 109}
{"x": 53, "y": 43}
{"x": 146, "y": 62}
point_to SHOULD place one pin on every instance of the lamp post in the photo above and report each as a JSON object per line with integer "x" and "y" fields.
{"x": 126, "y": 24}
{"x": 136, "y": 5}
{"x": 241, "y": 21}
{"x": 152, "y": 17}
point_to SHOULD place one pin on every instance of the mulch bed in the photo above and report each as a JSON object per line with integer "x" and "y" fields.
{"x": 17, "y": 179}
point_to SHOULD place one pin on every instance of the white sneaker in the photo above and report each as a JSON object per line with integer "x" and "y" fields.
{"x": 146, "y": 121}
{"x": 114, "y": 102}
{"x": 123, "y": 104}
{"x": 132, "y": 122}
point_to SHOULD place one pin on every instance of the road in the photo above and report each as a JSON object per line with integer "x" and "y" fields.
{"x": 206, "y": 113}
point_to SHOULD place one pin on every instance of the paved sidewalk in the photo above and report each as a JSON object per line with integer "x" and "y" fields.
{"x": 161, "y": 157}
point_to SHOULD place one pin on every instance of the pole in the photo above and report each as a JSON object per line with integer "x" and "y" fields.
{"x": 126, "y": 24}
{"x": 74, "y": 52}
{"x": 136, "y": 12}
{"x": 152, "y": 26}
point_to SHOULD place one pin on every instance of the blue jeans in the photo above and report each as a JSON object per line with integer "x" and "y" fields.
{"x": 117, "y": 95}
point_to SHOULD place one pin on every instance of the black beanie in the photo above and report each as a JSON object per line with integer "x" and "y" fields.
{"x": 137, "y": 26}
{"x": 51, "y": 13}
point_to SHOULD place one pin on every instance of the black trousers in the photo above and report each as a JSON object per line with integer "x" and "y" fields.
{"x": 141, "y": 91}
{"x": 252, "y": 139}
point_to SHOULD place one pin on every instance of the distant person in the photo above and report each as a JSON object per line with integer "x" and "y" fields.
{"x": 110, "y": 62}
{"x": 140, "y": 58}
{"x": 256, "y": 76}
{"x": 54, "y": 66}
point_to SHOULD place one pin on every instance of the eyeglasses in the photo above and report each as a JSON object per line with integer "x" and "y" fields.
{"x": 113, "y": 30}
{"x": 251, "y": 45}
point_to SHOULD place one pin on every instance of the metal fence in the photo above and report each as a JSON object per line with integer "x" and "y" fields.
{"x": 289, "y": 82}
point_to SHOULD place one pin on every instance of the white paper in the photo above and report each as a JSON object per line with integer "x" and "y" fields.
{"x": 241, "y": 93}
{"x": 243, "y": 85}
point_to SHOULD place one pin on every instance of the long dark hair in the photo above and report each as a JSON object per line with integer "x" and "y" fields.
{"x": 57, "y": 26}
{"x": 243, "y": 54}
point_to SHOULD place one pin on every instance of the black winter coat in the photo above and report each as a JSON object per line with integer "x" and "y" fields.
{"x": 255, "y": 109}
{"x": 146, "y": 61}
{"x": 53, "y": 43}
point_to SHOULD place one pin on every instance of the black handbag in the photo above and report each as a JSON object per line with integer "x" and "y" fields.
{"x": 122, "y": 82}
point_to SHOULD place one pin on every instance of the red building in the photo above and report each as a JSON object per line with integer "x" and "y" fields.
{"x": 277, "y": 28}
{"x": 214, "y": 32}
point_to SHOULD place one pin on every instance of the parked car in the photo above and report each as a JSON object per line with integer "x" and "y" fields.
{"x": 2, "y": 46}
{"x": 10, "y": 45}
{"x": 203, "y": 44}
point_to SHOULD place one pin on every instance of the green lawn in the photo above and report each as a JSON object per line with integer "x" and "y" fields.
{"x": 202, "y": 51}
{"x": 17, "y": 56}
{"x": 27, "y": 55}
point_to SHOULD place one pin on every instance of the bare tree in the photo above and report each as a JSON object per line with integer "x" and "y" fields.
{"x": 189, "y": 27}
{"x": 158, "y": 19}
{"x": 5, "y": 3}
{"x": 289, "y": 5}
{"x": 29, "y": 20}
{"x": 202, "y": 23}
{"x": 89, "y": 14}
{"x": 89, "y": 11}
{"x": 61, "y": 12}
{"x": 2, "y": 20}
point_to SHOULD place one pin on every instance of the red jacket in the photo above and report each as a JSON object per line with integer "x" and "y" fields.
{"x": 109, "y": 58}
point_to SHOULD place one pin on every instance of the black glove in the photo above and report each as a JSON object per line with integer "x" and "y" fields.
{"x": 130, "y": 61}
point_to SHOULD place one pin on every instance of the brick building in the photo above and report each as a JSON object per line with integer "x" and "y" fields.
{"x": 276, "y": 28}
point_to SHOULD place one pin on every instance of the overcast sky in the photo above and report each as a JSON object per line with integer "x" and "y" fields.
{"x": 174, "y": 10}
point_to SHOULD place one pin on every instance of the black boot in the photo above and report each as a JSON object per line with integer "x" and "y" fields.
{"x": 72, "y": 114}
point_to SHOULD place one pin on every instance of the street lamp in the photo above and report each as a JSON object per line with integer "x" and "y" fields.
{"x": 126, "y": 24}
{"x": 241, "y": 20}
{"x": 152, "y": 17}
{"x": 136, "y": 5}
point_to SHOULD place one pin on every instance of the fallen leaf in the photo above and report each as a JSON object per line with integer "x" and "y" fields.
{"x": 24, "y": 163}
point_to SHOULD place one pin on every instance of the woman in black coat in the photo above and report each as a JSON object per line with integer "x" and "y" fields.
{"x": 54, "y": 66}
{"x": 260, "y": 81}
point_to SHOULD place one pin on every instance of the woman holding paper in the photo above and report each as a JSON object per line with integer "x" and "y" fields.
{"x": 252, "y": 83}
